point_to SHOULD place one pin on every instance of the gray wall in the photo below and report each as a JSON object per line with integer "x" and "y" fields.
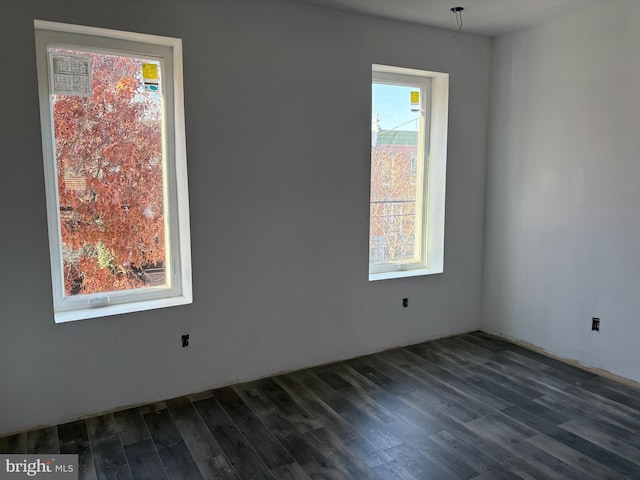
{"x": 278, "y": 119}
{"x": 563, "y": 229}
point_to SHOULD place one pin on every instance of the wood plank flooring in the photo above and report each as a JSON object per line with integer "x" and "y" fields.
{"x": 466, "y": 407}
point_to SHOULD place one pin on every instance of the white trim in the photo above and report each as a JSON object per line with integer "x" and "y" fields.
{"x": 423, "y": 83}
{"x": 435, "y": 164}
{"x": 138, "y": 306}
{"x": 178, "y": 261}
{"x": 416, "y": 272}
{"x": 437, "y": 178}
{"x": 182, "y": 195}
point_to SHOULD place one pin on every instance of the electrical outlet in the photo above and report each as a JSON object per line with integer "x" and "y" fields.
{"x": 405, "y": 302}
{"x": 185, "y": 340}
{"x": 595, "y": 324}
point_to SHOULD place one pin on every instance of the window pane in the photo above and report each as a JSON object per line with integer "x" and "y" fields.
{"x": 394, "y": 150}
{"x": 109, "y": 158}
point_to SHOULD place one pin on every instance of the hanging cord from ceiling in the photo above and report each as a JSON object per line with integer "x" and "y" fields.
{"x": 457, "y": 11}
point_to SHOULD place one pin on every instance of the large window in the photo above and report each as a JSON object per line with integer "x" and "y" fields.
{"x": 408, "y": 165}
{"x": 115, "y": 170}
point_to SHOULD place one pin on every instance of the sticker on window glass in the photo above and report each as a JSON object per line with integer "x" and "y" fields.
{"x": 71, "y": 74}
{"x": 415, "y": 98}
{"x": 150, "y": 77}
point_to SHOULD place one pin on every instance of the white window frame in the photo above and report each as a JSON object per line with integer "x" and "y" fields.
{"x": 168, "y": 51}
{"x": 432, "y": 166}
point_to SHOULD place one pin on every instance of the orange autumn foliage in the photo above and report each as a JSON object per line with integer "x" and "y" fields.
{"x": 110, "y": 179}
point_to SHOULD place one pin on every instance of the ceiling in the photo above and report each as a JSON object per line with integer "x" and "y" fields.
{"x": 484, "y": 17}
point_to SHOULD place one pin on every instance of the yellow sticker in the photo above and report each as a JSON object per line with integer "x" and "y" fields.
{"x": 149, "y": 70}
{"x": 415, "y": 98}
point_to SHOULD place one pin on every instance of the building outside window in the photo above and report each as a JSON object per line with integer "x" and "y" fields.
{"x": 115, "y": 170}
{"x": 408, "y": 164}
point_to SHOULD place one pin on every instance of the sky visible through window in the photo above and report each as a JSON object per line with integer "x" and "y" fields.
{"x": 392, "y": 103}
{"x": 393, "y": 209}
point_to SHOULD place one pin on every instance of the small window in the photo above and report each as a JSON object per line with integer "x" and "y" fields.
{"x": 115, "y": 170}
{"x": 408, "y": 165}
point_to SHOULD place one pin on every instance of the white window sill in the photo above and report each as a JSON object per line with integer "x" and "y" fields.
{"x": 107, "y": 310}
{"x": 416, "y": 272}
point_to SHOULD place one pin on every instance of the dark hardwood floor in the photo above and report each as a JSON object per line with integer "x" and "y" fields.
{"x": 466, "y": 407}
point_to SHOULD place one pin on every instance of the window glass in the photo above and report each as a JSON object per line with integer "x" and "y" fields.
{"x": 399, "y": 106}
{"x": 115, "y": 170}
{"x": 109, "y": 161}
